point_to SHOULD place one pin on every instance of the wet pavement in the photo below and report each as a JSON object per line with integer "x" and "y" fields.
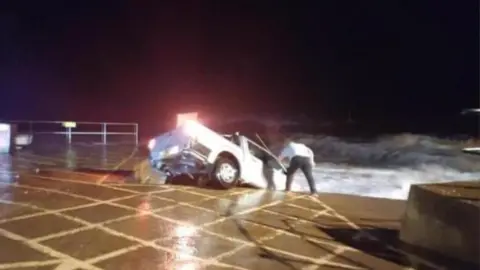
{"x": 79, "y": 208}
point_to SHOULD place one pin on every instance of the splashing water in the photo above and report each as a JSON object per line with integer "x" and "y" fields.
{"x": 386, "y": 167}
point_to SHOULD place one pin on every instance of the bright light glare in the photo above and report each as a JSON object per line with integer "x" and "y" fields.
{"x": 144, "y": 208}
{"x": 184, "y": 252}
{"x": 151, "y": 144}
{"x": 191, "y": 127}
{"x": 185, "y": 231}
{"x": 187, "y": 266}
{"x": 4, "y": 127}
{"x": 173, "y": 150}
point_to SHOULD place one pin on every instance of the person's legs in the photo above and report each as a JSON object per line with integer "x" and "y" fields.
{"x": 268, "y": 174}
{"x": 292, "y": 168}
{"x": 307, "y": 171}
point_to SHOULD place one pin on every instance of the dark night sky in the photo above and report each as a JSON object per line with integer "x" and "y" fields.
{"x": 137, "y": 60}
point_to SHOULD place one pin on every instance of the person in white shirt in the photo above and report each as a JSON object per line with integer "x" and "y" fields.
{"x": 300, "y": 157}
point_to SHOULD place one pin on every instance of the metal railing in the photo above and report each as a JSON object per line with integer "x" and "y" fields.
{"x": 70, "y": 131}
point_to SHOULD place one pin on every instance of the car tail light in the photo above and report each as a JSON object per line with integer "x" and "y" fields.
{"x": 151, "y": 144}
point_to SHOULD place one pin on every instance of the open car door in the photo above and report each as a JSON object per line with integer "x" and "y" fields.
{"x": 264, "y": 165}
{"x": 274, "y": 173}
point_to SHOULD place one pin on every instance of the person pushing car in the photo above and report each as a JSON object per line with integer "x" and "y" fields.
{"x": 300, "y": 157}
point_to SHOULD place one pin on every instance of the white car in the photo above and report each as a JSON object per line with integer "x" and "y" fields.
{"x": 193, "y": 149}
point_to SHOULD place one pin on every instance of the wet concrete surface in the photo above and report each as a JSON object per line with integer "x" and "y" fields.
{"x": 79, "y": 208}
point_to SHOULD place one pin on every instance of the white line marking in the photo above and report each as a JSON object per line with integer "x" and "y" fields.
{"x": 107, "y": 230}
{"x": 66, "y": 265}
{"x": 99, "y": 202}
{"x": 326, "y": 260}
{"x": 88, "y": 225}
{"x": 277, "y": 232}
{"x": 372, "y": 237}
{"x": 57, "y": 179}
{"x": 310, "y": 238}
{"x": 44, "y": 213}
{"x": 133, "y": 185}
{"x": 95, "y": 225}
{"x": 302, "y": 207}
{"x": 152, "y": 243}
{"x": 46, "y": 250}
{"x": 81, "y": 229}
{"x": 51, "y": 191}
{"x": 207, "y": 197}
{"x": 201, "y": 228}
{"x": 114, "y": 254}
{"x": 29, "y": 264}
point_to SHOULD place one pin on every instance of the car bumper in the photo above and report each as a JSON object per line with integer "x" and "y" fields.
{"x": 178, "y": 165}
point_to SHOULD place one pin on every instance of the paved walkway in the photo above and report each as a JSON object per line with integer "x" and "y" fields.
{"x": 94, "y": 217}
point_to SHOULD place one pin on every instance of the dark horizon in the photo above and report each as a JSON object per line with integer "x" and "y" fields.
{"x": 415, "y": 66}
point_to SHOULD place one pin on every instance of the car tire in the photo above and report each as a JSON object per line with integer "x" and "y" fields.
{"x": 225, "y": 173}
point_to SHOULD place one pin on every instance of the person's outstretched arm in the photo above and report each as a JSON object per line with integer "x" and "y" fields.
{"x": 285, "y": 154}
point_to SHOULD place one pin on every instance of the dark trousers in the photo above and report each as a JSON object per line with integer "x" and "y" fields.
{"x": 302, "y": 163}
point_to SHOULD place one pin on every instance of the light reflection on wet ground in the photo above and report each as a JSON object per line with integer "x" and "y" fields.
{"x": 72, "y": 208}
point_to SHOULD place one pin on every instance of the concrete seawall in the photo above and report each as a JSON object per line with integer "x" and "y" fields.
{"x": 445, "y": 219}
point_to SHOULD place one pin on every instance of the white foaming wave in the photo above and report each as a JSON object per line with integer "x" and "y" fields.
{"x": 384, "y": 167}
{"x": 380, "y": 183}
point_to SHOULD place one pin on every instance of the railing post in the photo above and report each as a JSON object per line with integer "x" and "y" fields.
{"x": 104, "y": 133}
{"x": 69, "y": 135}
{"x": 136, "y": 133}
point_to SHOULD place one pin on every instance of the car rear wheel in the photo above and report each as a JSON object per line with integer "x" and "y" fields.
{"x": 225, "y": 173}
